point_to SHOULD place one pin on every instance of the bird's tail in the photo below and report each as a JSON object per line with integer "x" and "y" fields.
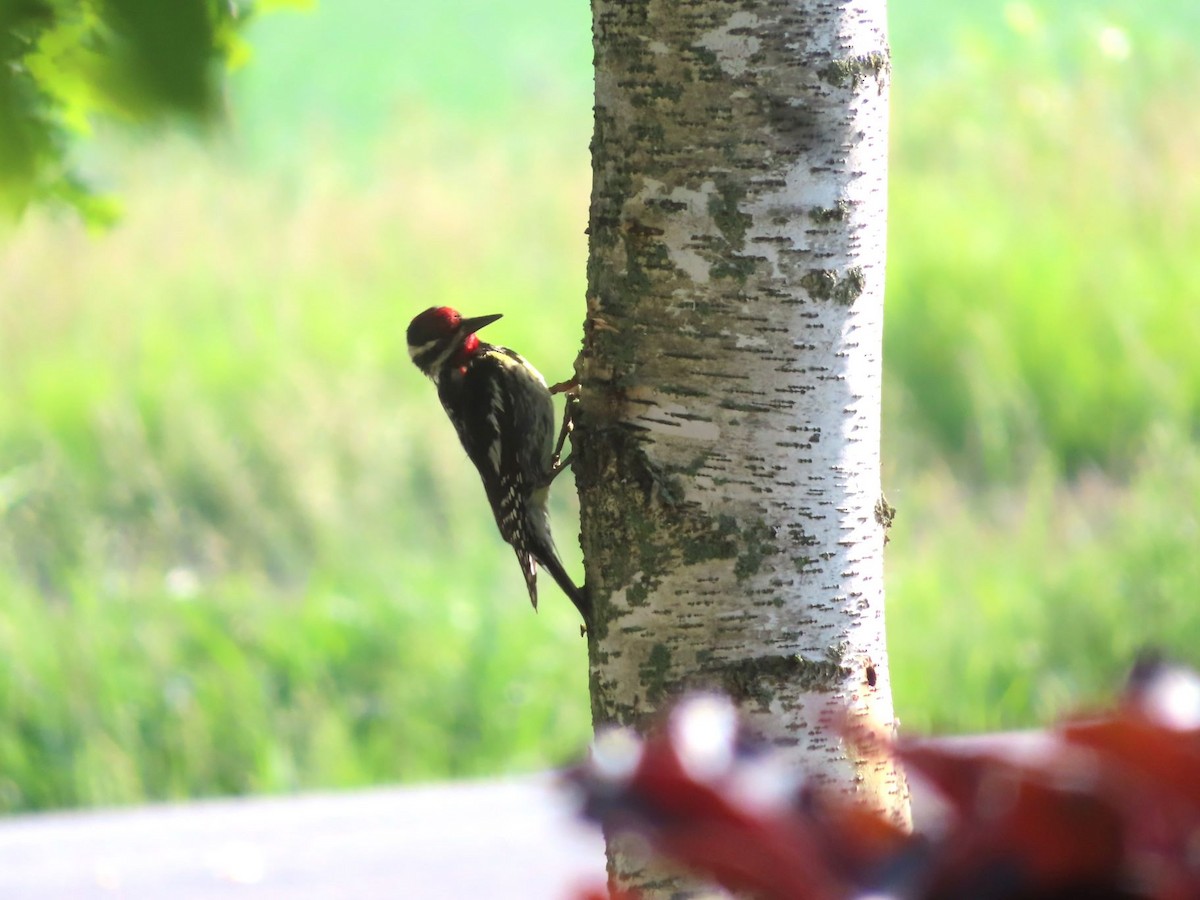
{"x": 536, "y": 547}
{"x": 550, "y": 562}
{"x": 578, "y": 596}
{"x": 529, "y": 570}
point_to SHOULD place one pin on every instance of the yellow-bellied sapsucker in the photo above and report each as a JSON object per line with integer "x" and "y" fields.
{"x": 504, "y": 415}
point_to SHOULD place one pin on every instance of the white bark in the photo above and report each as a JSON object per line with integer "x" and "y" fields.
{"x": 728, "y": 444}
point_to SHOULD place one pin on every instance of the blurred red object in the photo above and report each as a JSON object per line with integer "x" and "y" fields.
{"x": 1108, "y": 807}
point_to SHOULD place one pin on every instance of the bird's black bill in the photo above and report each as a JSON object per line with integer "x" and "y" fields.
{"x": 470, "y": 326}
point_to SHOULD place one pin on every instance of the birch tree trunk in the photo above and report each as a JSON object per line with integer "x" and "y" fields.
{"x": 727, "y": 447}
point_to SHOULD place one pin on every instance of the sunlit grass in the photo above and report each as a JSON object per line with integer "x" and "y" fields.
{"x": 1043, "y": 389}
{"x": 244, "y": 550}
{"x": 1041, "y": 264}
{"x": 1010, "y": 607}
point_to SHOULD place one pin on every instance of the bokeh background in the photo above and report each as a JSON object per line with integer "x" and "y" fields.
{"x": 241, "y": 551}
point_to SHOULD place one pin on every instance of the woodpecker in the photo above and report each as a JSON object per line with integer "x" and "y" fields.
{"x": 504, "y": 415}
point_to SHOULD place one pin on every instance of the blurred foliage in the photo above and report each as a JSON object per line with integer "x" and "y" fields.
{"x": 1105, "y": 807}
{"x": 62, "y": 62}
{"x": 229, "y": 503}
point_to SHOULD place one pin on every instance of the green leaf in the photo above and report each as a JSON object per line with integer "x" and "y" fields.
{"x": 63, "y": 62}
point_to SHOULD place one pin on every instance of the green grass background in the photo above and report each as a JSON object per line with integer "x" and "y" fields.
{"x": 241, "y": 551}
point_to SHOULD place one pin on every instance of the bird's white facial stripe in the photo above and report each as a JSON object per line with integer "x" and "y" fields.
{"x": 422, "y": 355}
{"x": 415, "y": 350}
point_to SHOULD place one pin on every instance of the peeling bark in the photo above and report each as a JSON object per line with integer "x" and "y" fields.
{"x": 727, "y": 445}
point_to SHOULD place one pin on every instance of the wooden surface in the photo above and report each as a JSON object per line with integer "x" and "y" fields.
{"x": 497, "y": 839}
{"x": 509, "y": 839}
